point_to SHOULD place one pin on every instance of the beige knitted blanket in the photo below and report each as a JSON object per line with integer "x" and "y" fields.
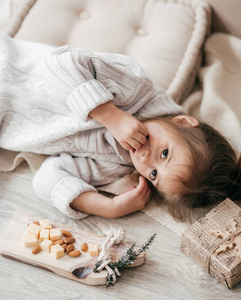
{"x": 215, "y": 100}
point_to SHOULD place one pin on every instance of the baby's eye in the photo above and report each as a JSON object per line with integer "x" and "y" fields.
{"x": 153, "y": 174}
{"x": 164, "y": 153}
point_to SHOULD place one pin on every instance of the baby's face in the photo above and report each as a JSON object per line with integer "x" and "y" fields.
{"x": 162, "y": 159}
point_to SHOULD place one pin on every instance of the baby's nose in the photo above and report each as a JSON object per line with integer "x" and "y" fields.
{"x": 145, "y": 156}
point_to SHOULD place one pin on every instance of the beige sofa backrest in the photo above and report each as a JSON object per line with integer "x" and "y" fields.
{"x": 164, "y": 36}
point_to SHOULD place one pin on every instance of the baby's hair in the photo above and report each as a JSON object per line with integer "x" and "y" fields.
{"x": 215, "y": 171}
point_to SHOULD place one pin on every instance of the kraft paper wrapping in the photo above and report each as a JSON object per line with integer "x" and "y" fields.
{"x": 199, "y": 244}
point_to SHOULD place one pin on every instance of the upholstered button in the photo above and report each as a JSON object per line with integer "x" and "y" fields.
{"x": 84, "y": 15}
{"x": 141, "y": 32}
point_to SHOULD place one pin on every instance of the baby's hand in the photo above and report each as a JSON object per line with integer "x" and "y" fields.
{"x": 127, "y": 130}
{"x": 133, "y": 200}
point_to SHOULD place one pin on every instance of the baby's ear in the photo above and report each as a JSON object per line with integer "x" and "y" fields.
{"x": 186, "y": 120}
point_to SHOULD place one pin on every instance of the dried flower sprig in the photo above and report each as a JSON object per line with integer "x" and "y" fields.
{"x": 114, "y": 268}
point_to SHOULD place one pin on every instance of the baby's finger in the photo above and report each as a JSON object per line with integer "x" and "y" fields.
{"x": 133, "y": 143}
{"x": 126, "y": 145}
{"x": 139, "y": 137}
{"x": 148, "y": 193}
{"x": 143, "y": 130}
{"x": 132, "y": 188}
{"x": 142, "y": 183}
{"x": 146, "y": 190}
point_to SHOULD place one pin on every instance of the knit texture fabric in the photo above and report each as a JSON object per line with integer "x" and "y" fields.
{"x": 45, "y": 106}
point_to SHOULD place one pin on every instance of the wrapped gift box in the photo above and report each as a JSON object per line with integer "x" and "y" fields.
{"x": 200, "y": 243}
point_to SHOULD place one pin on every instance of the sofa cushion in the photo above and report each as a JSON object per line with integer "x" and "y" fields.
{"x": 164, "y": 36}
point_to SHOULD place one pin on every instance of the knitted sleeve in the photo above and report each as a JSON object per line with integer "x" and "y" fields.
{"x": 61, "y": 179}
{"x": 84, "y": 80}
{"x": 71, "y": 78}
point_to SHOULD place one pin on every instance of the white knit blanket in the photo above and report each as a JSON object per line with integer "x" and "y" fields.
{"x": 216, "y": 102}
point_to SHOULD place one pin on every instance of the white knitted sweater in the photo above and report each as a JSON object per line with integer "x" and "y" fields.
{"x": 44, "y": 107}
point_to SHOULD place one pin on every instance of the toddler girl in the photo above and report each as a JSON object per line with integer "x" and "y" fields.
{"x": 98, "y": 117}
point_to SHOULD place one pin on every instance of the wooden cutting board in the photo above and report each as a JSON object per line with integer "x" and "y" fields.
{"x": 12, "y": 246}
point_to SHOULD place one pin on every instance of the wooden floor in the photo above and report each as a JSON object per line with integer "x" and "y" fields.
{"x": 166, "y": 274}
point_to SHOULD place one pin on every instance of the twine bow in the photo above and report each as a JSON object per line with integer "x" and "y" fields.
{"x": 229, "y": 236}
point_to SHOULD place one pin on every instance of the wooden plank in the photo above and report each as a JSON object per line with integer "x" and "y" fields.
{"x": 12, "y": 246}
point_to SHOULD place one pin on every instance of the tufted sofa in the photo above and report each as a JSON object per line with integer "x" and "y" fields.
{"x": 169, "y": 52}
{"x": 164, "y": 36}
